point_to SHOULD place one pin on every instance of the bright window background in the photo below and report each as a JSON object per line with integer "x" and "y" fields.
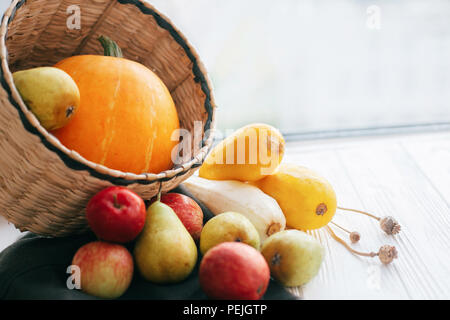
{"x": 315, "y": 65}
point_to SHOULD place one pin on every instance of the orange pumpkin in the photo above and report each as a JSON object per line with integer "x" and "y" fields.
{"x": 126, "y": 115}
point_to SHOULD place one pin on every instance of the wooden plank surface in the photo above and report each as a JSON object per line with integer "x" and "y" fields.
{"x": 407, "y": 177}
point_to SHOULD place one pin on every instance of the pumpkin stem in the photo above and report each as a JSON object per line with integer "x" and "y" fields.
{"x": 110, "y": 47}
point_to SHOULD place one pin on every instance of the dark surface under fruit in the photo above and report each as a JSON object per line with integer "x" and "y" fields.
{"x": 35, "y": 268}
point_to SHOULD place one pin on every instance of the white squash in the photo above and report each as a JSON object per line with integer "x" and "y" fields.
{"x": 230, "y": 195}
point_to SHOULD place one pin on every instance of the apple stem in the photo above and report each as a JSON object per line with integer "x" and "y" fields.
{"x": 116, "y": 202}
{"x": 158, "y": 197}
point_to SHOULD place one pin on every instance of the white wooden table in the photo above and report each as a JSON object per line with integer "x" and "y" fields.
{"x": 406, "y": 176}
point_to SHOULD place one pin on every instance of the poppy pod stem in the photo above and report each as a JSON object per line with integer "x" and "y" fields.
{"x": 386, "y": 254}
{"x": 345, "y": 244}
{"x": 388, "y": 224}
{"x": 342, "y": 228}
{"x": 359, "y": 211}
{"x": 354, "y": 235}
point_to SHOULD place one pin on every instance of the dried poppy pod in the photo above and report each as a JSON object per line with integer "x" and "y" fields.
{"x": 353, "y": 235}
{"x": 386, "y": 253}
{"x": 388, "y": 224}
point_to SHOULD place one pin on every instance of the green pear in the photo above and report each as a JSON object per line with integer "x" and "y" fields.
{"x": 294, "y": 257}
{"x": 228, "y": 227}
{"x": 165, "y": 251}
{"x": 50, "y": 93}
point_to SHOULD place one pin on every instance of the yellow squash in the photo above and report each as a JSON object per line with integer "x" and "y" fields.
{"x": 307, "y": 200}
{"x": 249, "y": 154}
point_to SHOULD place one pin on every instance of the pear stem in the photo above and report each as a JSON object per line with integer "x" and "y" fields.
{"x": 158, "y": 197}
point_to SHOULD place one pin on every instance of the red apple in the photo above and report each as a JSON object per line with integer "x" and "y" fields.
{"x": 116, "y": 214}
{"x": 106, "y": 269}
{"x": 187, "y": 210}
{"x": 234, "y": 271}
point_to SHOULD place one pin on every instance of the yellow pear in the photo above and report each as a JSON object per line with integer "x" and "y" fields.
{"x": 249, "y": 154}
{"x": 228, "y": 227}
{"x": 50, "y": 93}
{"x": 165, "y": 251}
{"x": 307, "y": 200}
{"x": 294, "y": 257}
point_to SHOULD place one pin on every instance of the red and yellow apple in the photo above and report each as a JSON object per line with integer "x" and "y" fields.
{"x": 234, "y": 271}
{"x": 187, "y": 210}
{"x": 106, "y": 269}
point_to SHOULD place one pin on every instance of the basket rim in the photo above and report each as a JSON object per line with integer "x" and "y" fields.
{"x": 73, "y": 159}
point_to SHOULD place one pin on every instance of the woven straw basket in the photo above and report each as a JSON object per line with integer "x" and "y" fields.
{"x": 44, "y": 187}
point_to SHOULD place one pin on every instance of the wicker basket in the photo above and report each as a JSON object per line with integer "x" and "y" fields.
{"x": 44, "y": 187}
